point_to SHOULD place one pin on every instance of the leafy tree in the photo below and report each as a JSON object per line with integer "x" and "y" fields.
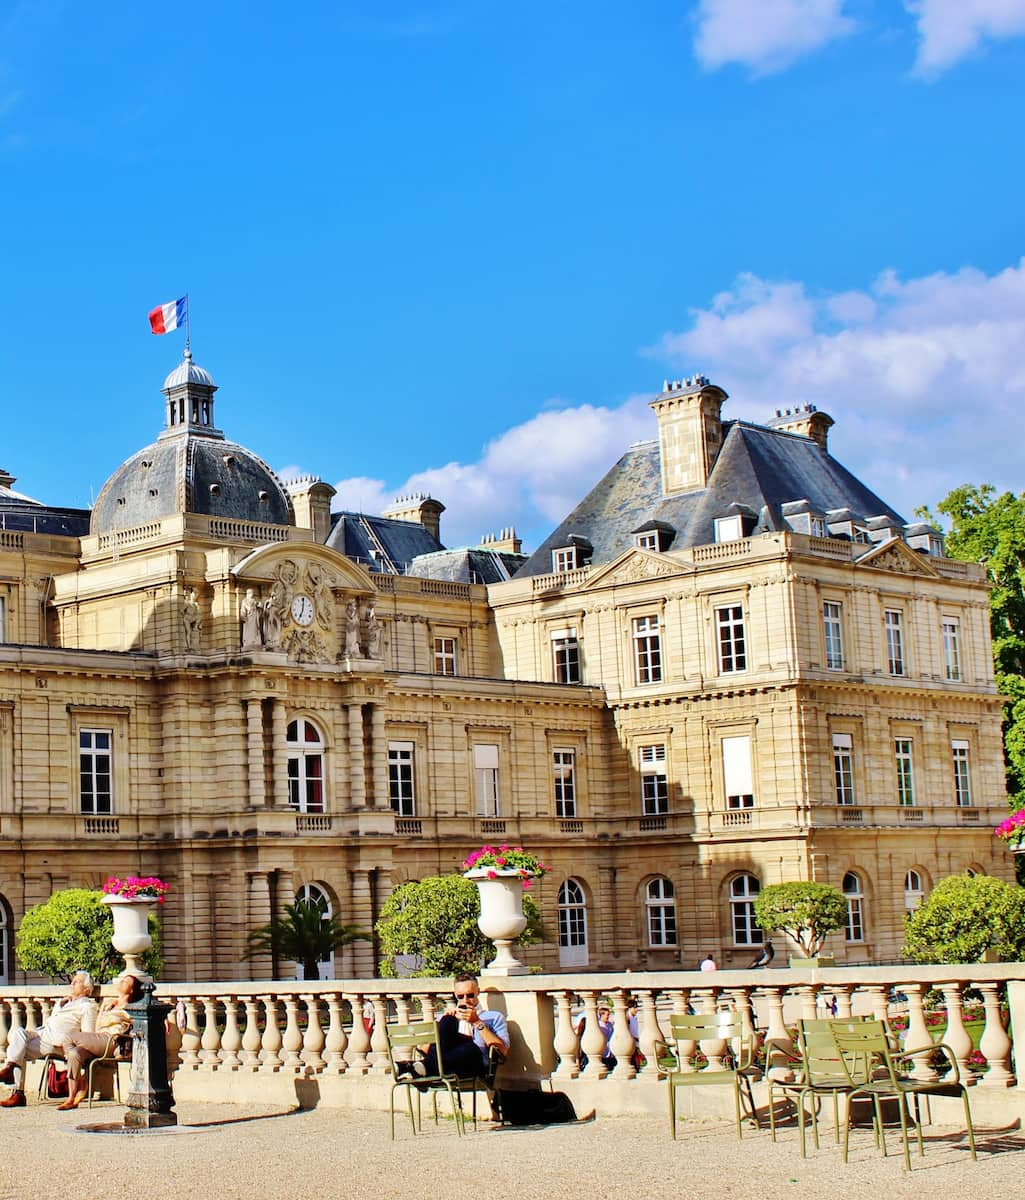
{"x": 306, "y": 935}
{"x": 436, "y": 918}
{"x": 71, "y": 932}
{"x": 805, "y": 912}
{"x": 965, "y": 915}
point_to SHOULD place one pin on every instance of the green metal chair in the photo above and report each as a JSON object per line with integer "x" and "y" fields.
{"x": 407, "y": 1044}
{"x": 876, "y": 1072}
{"x": 737, "y": 1063}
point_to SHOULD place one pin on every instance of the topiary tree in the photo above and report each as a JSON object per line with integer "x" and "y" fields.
{"x": 963, "y": 917}
{"x": 71, "y": 932}
{"x": 806, "y": 912}
{"x": 306, "y": 935}
{"x": 436, "y": 919}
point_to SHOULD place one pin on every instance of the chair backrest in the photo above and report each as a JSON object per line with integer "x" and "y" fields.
{"x": 404, "y": 1040}
{"x": 863, "y": 1047}
{"x": 820, "y": 1056}
{"x": 711, "y": 1027}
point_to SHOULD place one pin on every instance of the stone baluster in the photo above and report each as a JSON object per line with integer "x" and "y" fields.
{"x": 686, "y": 1050}
{"x": 31, "y": 1024}
{"x": 336, "y": 1040}
{"x": 876, "y": 997}
{"x": 271, "y": 1035}
{"x": 592, "y": 1040}
{"x": 808, "y": 994}
{"x": 292, "y": 1040}
{"x": 380, "y": 1060}
{"x": 714, "y": 1049}
{"x": 622, "y": 1044}
{"x": 251, "y": 1037}
{"x": 565, "y": 1039}
{"x": 843, "y": 1001}
{"x": 313, "y": 1038}
{"x": 918, "y": 1034}
{"x": 430, "y": 1006}
{"x": 652, "y": 1039}
{"x": 191, "y": 1039}
{"x": 957, "y": 1038}
{"x": 779, "y": 1047}
{"x": 995, "y": 1044}
{"x": 358, "y": 1052}
{"x": 402, "y": 1005}
{"x": 211, "y": 1040}
{"x": 231, "y": 1039}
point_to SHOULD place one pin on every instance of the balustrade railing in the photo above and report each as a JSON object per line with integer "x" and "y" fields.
{"x": 326, "y": 1028}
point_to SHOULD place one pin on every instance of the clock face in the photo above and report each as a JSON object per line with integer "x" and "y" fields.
{"x": 302, "y": 610}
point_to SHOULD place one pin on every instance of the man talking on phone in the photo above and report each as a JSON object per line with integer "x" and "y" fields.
{"x": 467, "y": 1033}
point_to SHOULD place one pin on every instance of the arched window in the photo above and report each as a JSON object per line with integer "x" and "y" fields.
{"x": 743, "y": 889}
{"x": 305, "y": 766}
{"x": 660, "y": 904}
{"x": 855, "y": 895}
{"x": 914, "y": 892}
{"x": 310, "y": 893}
{"x": 572, "y": 925}
{"x": 6, "y": 926}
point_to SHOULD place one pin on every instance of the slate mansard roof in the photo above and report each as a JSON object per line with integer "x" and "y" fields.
{"x": 25, "y": 515}
{"x": 757, "y": 468}
{"x": 381, "y": 544}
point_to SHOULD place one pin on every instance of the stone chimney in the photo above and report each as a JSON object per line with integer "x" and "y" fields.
{"x": 418, "y": 507}
{"x": 689, "y": 432}
{"x": 311, "y": 499}
{"x": 806, "y": 420}
{"x": 504, "y": 542}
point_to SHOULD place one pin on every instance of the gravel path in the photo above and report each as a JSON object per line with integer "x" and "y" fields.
{"x": 236, "y": 1152}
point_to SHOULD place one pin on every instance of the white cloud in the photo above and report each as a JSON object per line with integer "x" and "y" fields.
{"x": 925, "y": 377}
{"x": 765, "y": 35}
{"x": 951, "y": 29}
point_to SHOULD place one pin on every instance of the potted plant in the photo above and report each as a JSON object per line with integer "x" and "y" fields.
{"x": 130, "y": 900}
{"x": 501, "y": 873}
{"x": 807, "y": 913}
{"x": 1012, "y": 831}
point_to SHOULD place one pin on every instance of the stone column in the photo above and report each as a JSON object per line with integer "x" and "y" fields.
{"x": 378, "y": 757}
{"x": 279, "y": 755}
{"x": 254, "y": 742}
{"x": 259, "y": 914}
{"x": 357, "y": 775}
{"x": 361, "y": 914}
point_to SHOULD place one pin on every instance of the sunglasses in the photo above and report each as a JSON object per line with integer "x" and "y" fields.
{"x": 466, "y": 995}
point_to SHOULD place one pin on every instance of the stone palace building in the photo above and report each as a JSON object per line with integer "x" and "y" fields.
{"x": 731, "y": 665}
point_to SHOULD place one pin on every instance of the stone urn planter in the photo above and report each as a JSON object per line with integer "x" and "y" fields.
{"x": 501, "y": 915}
{"x": 132, "y": 937}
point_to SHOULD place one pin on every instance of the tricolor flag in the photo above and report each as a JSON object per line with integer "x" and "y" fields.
{"x": 167, "y": 317}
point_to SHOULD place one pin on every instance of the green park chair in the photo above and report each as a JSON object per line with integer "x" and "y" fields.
{"x": 408, "y": 1044}
{"x": 737, "y": 1069}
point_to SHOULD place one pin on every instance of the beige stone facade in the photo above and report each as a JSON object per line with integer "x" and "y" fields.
{"x": 248, "y": 713}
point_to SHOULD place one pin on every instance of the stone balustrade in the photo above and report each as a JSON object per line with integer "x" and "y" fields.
{"x": 248, "y": 1040}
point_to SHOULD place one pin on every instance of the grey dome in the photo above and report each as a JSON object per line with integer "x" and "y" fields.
{"x": 187, "y": 372}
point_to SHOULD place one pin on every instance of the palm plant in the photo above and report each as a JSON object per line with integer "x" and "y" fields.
{"x": 304, "y": 934}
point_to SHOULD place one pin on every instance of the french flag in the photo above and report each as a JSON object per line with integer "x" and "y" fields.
{"x": 167, "y": 317}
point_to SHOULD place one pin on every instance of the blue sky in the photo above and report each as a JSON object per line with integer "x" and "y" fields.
{"x": 457, "y": 246}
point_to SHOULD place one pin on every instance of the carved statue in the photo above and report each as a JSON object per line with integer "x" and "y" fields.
{"x": 373, "y": 632}
{"x": 322, "y": 596}
{"x": 190, "y": 620}
{"x": 249, "y": 615}
{"x": 351, "y": 630}
{"x": 271, "y": 624}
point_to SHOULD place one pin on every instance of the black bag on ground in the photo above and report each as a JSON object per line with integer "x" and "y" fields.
{"x": 533, "y": 1107}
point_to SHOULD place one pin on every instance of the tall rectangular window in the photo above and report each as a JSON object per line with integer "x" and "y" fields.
{"x": 736, "y": 771}
{"x": 951, "y": 648}
{"x": 732, "y": 650}
{"x": 401, "y": 786}
{"x": 894, "y": 641}
{"x": 485, "y": 777}
{"x": 564, "y": 771}
{"x": 962, "y": 783}
{"x": 564, "y": 559}
{"x": 654, "y": 782}
{"x": 444, "y": 656}
{"x": 94, "y": 770}
{"x": 843, "y": 773}
{"x": 647, "y": 650}
{"x": 905, "y": 772}
{"x": 834, "y": 635}
{"x": 566, "y": 656}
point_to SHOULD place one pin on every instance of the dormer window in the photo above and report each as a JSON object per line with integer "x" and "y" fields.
{"x": 818, "y": 526}
{"x": 802, "y": 518}
{"x": 564, "y": 559}
{"x": 729, "y": 529}
{"x": 654, "y": 535}
{"x": 647, "y": 541}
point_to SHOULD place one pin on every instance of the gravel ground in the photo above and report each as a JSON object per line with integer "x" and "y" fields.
{"x": 231, "y": 1152}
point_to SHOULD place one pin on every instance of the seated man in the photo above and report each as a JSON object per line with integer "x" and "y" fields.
{"x": 467, "y": 1035}
{"x": 77, "y": 1012}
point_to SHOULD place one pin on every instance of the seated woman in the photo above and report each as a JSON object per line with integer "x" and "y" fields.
{"x": 112, "y": 1021}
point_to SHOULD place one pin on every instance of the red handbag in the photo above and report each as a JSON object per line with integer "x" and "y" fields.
{"x": 56, "y": 1080}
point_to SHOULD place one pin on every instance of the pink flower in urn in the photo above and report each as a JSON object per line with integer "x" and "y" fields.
{"x": 492, "y": 874}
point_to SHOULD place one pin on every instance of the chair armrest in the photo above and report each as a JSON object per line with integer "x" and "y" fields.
{"x": 943, "y": 1048}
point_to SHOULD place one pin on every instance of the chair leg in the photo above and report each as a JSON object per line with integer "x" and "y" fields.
{"x": 968, "y": 1122}
{"x": 903, "y": 1109}
{"x": 736, "y": 1101}
{"x": 672, "y": 1110}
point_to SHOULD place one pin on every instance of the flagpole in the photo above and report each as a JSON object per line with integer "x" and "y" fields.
{"x": 188, "y": 322}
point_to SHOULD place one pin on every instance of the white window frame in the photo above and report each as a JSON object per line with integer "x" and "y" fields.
{"x": 647, "y": 540}
{"x": 305, "y": 767}
{"x": 564, "y": 764}
{"x": 95, "y": 771}
{"x": 904, "y": 757}
{"x": 445, "y": 655}
{"x": 843, "y": 768}
{"x": 745, "y": 930}
{"x": 737, "y": 771}
{"x": 485, "y": 779}
{"x": 572, "y": 922}
{"x": 854, "y": 893}
{"x": 893, "y": 623}
{"x": 729, "y": 529}
{"x": 565, "y": 655}
{"x": 651, "y": 764}
{"x": 647, "y": 643}
{"x": 818, "y": 526}
{"x": 564, "y": 559}
{"x": 660, "y": 912}
{"x": 402, "y": 778}
{"x": 959, "y": 752}
{"x": 731, "y": 639}
{"x": 914, "y": 890}
{"x": 832, "y": 631}
{"x": 952, "y": 648}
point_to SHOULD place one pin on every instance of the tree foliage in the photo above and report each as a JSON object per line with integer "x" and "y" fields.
{"x": 304, "y": 934}
{"x": 436, "y": 919}
{"x": 805, "y": 912}
{"x": 71, "y": 932}
{"x": 965, "y": 915}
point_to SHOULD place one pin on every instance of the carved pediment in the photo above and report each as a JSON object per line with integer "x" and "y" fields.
{"x": 896, "y": 555}
{"x": 635, "y": 566}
